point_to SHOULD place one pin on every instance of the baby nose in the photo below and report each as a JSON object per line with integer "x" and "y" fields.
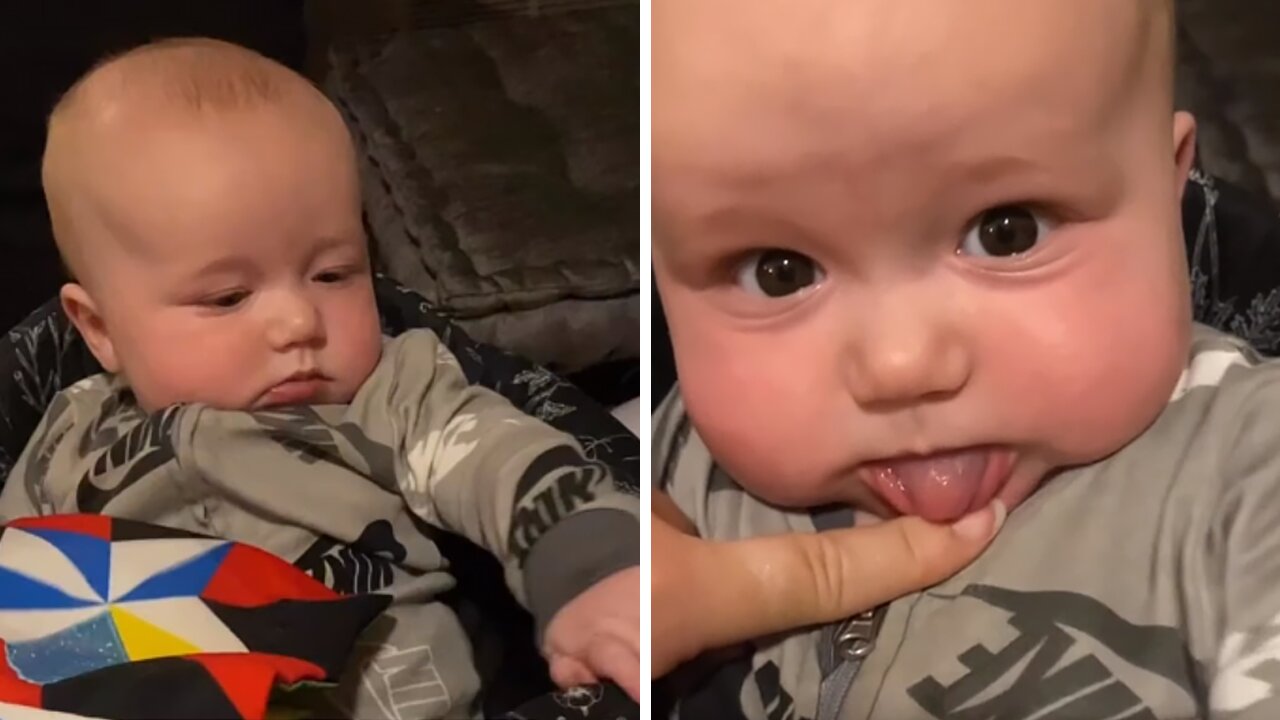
{"x": 295, "y": 322}
{"x": 904, "y": 365}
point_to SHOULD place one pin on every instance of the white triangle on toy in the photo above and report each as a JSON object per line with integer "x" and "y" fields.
{"x": 22, "y": 625}
{"x": 135, "y": 561}
{"x": 189, "y": 619}
{"x": 33, "y": 556}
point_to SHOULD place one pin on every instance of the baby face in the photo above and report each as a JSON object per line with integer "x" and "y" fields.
{"x": 916, "y": 255}
{"x": 229, "y": 266}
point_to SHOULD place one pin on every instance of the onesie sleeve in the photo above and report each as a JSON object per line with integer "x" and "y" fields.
{"x": 472, "y": 463}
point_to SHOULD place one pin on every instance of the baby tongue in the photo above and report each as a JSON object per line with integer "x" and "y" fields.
{"x": 938, "y": 488}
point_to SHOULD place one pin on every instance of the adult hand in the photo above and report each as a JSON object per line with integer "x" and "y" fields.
{"x": 708, "y": 595}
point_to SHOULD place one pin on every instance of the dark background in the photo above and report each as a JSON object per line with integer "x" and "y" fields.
{"x": 44, "y": 47}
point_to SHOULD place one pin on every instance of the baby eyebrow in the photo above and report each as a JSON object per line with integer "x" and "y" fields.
{"x": 328, "y": 243}
{"x": 994, "y": 167}
{"x": 222, "y": 267}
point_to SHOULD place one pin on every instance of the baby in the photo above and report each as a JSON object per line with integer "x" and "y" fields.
{"x": 206, "y": 201}
{"x": 922, "y": 258}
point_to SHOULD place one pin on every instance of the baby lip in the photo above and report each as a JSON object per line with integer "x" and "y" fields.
{"x": 303, "y": 375}
{"x": 299, "y": 387}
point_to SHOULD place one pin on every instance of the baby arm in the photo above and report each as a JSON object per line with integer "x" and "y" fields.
{"x": 567, "y": 535}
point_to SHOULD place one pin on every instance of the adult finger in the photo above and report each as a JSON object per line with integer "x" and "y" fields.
{"x": 804, "y": 579}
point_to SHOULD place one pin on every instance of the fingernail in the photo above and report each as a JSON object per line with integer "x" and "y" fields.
{"x": 977, "y": 526}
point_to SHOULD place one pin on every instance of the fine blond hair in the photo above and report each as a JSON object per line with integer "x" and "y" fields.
{"x": 191, "y": 75}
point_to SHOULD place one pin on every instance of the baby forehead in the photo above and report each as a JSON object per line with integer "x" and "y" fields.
{"x": 864, "y": 47}
{"x": 769, "y": 83}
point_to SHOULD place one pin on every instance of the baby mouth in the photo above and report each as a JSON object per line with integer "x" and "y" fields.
{"x": 940, "y": 487}
{"x": 298, "y": 389}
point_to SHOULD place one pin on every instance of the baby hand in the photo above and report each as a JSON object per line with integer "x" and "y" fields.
{"x": 597, "y": 635}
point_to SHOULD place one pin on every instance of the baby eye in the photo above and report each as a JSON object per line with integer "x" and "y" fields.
{"x": 336, "y": 275}
{"x": 778, "y": 273}
{"x": 226, "y": 301}
{"x": 331, "y": 276}
{"x": 1005, "y": 231}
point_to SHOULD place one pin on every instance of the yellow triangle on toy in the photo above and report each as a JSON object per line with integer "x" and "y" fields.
{"x": 143, "y": 641}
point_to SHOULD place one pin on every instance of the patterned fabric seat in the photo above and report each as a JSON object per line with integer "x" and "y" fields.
{"x": 1233, "y": 246}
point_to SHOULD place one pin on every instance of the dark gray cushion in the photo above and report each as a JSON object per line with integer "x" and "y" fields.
{"x": 1229, "y": 77}
{"x": 501, "y": 174}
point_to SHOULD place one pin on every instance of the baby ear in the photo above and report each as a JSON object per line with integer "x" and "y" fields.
{"x": 82, "y": 310}
{"x": 1184, "y": 147}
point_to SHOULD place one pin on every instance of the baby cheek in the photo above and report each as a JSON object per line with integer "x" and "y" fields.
{"x": 193, "y": 371}
{"x": 1095, "y": 376}
{"x": 357, "y": 336}
{"x": 1133, "y": 380}
{"x": 761, "y": 415}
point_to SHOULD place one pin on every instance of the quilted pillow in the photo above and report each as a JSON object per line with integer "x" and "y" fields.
{"x": 1228, "y": 74}
{"x": 500, "y": 164}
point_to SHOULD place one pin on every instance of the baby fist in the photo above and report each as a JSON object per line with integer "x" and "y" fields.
{"x": 597, "y": 635}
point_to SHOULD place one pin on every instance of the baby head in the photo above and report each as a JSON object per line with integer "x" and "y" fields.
{"x": 206, "y": 202}
{"x": 917, "y": 255}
